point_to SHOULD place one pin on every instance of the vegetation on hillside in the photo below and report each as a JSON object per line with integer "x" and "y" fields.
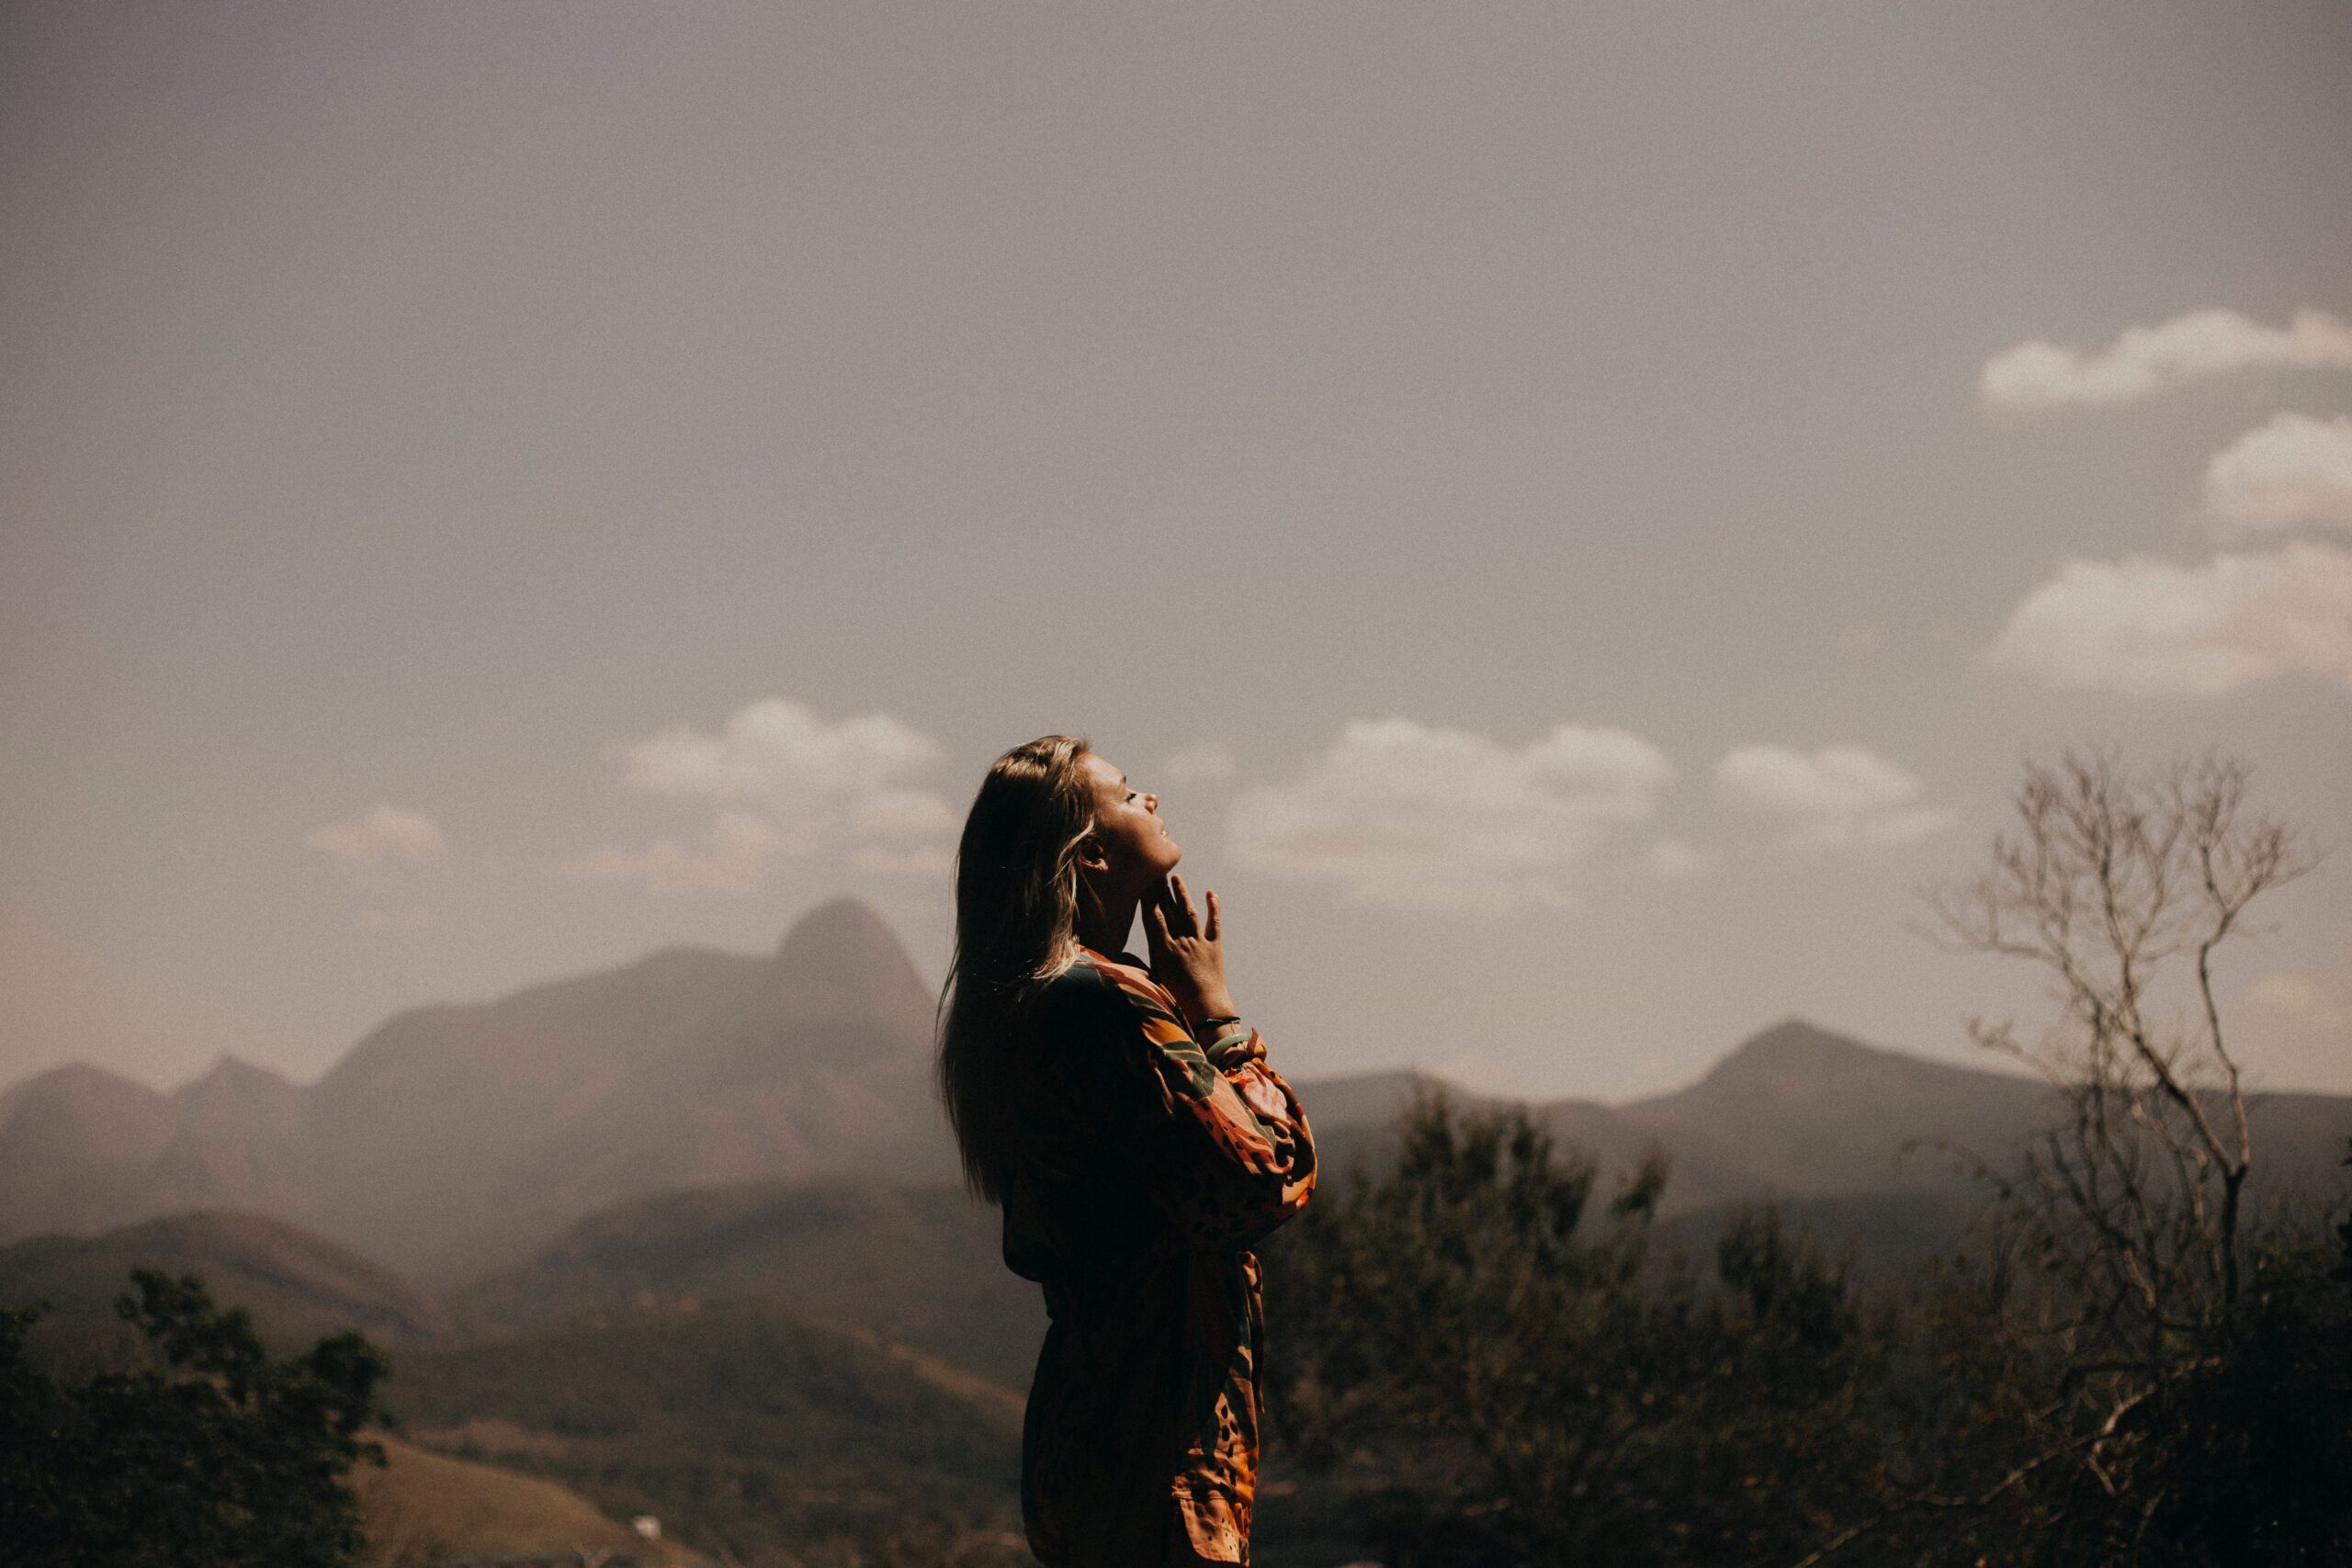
{"x": 2132, "y": 1364}
{"x": 428, "y": 1511}
{"x": 1493, "y": 1378}
{"x": 1477, "y": 1364}
{"x": 1481, "y": 1355}
{"x": 747, "y": 1430}
{"x": 919, "y": 1264}
{"x": 213, "y": 1455}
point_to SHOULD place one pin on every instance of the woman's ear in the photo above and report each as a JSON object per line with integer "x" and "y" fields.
{"x": 1091, "y": 857}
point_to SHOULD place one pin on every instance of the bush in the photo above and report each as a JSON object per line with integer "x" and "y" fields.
{"x": 219, "y": 1456}
{"x": 1497, "y": 1381}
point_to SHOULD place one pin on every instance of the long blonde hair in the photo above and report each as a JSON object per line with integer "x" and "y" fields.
{"x": 1016, "y": 927}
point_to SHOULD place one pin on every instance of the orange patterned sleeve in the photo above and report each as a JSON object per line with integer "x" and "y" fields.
{"x": 1224, "y": 1145}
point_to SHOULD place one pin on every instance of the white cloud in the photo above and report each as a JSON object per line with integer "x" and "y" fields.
{"x": 2148, "y": 628}
{"x": 1838, "y": 795}
{"x": 2295, "y": 469}
{"x": 736, "y": 856}
{"x": 1400, "y": 813}
{"x": 2299, "y": 998}
{"x": 1672, "y": 857}
{"x": 898, "y": 815}
{"x": 1203, "y": 766}
{"x": 2145, "y": 361}
{"x": 785, "y": 785}
{"x": 386, "y": 833}
{"x": 780, "y": 757}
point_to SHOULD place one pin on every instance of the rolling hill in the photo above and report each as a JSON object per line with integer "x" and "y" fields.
{"x": 745, "y": 1428}
{"x": 918, "y": 1264}
{"x": 421, "y": 1509}
{"x": 297, "y": 1286}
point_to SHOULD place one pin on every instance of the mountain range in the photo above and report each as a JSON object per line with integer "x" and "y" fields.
{"x": 453, "y": 1135}
{"x": 690, "y": 1243}
{"x": 456, "y": 1142}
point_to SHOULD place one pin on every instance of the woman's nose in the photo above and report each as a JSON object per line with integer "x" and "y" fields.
{"x": 1151, "y": 804}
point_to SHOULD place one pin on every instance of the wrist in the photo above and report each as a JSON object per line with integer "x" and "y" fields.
{"x": 1218, "y": 1006}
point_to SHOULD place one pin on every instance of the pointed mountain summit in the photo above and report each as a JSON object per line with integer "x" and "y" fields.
{"x": 1801, "y": 1110}
{"x": 241, "y": 1136}
{"x": 235, "y": 1094}
{"x": 1797, "y": 1063}
{"x": 840, "y": 963}
{"x": 456, "y": 1134}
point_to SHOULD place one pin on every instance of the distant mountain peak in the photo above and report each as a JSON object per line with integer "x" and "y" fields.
{"x": 233, "y": 1072}
{"x": 80, "y": 1079}
{"x": 844, "y": 925}
{"x": 1797, "y": 1060}
{"x": 239, "y": 1100}
{"x": 1796, "y": 1038}
{"x": 843, "y": 957}
{"x": 68, "y": 1115}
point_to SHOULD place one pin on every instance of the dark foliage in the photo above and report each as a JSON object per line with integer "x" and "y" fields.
{"x": 1500, "y": 1377}
{"x": 1474, "y": 1368}
{"x": 215, "y": 1456}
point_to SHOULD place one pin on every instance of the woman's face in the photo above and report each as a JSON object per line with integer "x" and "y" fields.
{"x": 1134, "y": 842}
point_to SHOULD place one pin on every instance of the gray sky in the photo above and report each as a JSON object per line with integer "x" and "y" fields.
{"x": 1552, "y": 497}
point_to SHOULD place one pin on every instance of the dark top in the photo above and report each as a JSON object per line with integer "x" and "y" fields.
{"x": 1149, "y": 1163}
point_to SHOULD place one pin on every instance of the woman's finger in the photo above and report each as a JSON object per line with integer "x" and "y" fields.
{"x": 1215, "y": 927}
{"x": 1184, "y": 902}
{"x": 1155, "y": 924}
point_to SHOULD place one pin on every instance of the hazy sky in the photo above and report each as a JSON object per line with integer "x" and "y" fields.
{"x": 1580, "y": 512}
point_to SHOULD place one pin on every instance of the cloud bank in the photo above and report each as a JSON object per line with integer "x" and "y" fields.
{"x": 2294, "y": 471}
{"x": 1206, "y": 765}
{"x": 1838, "y": 795}
{"x": 2299, "y": 997}
{"x": 783, "y": 784}
{"x": 2145, "y": 361}
{"x": 386, "y": 833}
{"x": 2145, "y": 628}
{"x": 1401, "y": 813}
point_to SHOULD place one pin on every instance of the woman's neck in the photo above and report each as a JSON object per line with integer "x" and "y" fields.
{"x": 1105, "y": 928}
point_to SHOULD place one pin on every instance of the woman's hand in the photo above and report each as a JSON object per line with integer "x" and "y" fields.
{"x": 1187, "y": 955}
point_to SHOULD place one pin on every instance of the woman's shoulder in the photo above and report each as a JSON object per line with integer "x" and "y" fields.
{"x": 1120, "y": 972}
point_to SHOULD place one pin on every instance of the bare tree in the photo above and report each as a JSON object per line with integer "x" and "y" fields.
{"x": 2130, "y": 1213}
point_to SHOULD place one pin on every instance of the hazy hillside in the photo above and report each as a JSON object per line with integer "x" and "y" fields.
{"x": 297, "y": 1286}
{"x": 917, "y": 1264}
{"x": 743, "y": 1428}
{"x": 76, "y": 1146}
{"x": 1798, "y": 1112}
{"x": 421, "y": 1509}
{"x": 453, "y": 1136}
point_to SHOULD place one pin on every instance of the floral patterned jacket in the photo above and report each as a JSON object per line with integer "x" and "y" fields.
{"x": 1149, "y": 1164}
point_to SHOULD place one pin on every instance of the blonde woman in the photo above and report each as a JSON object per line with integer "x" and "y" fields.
{"x": 1126, "y": 1120}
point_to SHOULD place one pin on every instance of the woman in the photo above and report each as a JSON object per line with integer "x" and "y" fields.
{"x": 1126, "y": 1120}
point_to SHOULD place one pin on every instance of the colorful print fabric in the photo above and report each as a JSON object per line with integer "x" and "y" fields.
{"x": 1149, "y": 1164}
